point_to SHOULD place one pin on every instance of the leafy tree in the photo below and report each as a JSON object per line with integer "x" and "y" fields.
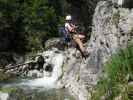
{"x": 26, "y": 24}
{"x": 11, "y": 27}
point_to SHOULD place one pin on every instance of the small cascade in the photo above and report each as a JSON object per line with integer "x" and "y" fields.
{"x": 3, "y": 96}
{"x": 47, "y": 87}
{"x": 52, "y": 71}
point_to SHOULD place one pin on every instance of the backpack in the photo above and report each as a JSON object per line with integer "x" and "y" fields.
{"x": 64, "y": 33}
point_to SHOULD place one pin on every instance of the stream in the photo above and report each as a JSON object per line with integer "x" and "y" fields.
{"x": 12, "y": 92}
{"x": 33, "y": 89}
{"x": 45, "y": 88}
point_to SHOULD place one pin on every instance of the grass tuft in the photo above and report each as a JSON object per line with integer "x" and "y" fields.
{"x": 119, "y": 73}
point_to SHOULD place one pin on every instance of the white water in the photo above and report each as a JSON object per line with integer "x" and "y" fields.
{"x": 49, "y": 82}
{"x": 120, "y": 2}
{"x": 4, "y": 96}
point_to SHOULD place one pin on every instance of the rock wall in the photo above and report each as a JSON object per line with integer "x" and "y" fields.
{"x": 112, "y": 30}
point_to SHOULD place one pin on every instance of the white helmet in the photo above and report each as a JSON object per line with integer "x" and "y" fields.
{"x": 68, "y": 17}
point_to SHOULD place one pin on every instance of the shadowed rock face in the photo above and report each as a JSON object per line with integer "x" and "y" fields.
{"x": 86, "y": 9}
{"x": 128, "y": 4}
{"x": 124, "y": 3}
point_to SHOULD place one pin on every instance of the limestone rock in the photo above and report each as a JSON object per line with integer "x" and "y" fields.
{"x": 55, "y": 42}
{"x": 112, "y": 30}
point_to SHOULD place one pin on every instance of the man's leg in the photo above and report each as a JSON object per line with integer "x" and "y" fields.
{"x": 81, "y": 36}
{"x": 78, "y": 41}
{"x": 81, "y": 47}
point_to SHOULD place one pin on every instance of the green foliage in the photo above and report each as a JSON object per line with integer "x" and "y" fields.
{"x": 8, "y": 90}
{"x": 39, "y": 17}
{"x": 10, "y": 27}
{"x": 118, "y": 72}
{"x": 3, "y": 76}
{"x": 26, "y": 24}
{"x": 22, "y": 19}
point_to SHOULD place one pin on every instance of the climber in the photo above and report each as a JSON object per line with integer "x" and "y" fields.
{"x": 66, "y": 36}
{"x": 71, "y": 29}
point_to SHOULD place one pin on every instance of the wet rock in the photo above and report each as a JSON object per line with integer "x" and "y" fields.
{"x": 55, "y": 42}
{"x": 48, "y": 68}
{"x": 40, "y": 62}
{"x": 34, "y": 74}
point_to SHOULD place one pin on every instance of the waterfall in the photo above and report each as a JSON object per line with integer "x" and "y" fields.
{"x": 120, "y": 2}
{"x": 56, "y": 60}
{"x": 3, "y": 96}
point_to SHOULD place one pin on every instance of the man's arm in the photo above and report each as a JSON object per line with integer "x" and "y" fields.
{"x": 72, "y": 28}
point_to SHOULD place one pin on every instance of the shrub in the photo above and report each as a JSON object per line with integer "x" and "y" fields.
{"x": 118, "y": 72}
